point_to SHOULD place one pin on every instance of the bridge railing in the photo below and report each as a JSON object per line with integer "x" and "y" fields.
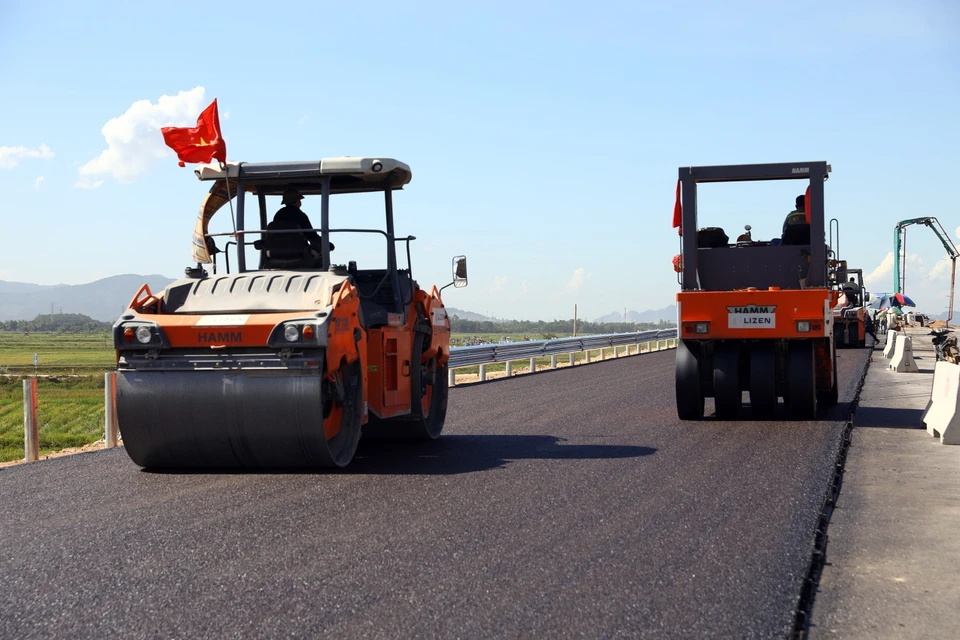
{"x": 482, "y": 355}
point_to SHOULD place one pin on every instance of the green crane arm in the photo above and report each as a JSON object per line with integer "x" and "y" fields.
{"x": 937, "y": 228}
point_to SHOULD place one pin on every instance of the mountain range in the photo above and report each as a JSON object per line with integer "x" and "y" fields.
{"x": 667, "y": 314}
{"x": 102, "y": 300}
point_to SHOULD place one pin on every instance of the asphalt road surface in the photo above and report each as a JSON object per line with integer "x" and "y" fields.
{"x": 571, "y": 503}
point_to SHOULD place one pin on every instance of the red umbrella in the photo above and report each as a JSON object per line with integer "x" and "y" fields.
{"x": 903, "y": 300}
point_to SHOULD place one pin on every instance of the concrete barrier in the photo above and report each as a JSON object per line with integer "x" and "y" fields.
{"x": 942, "y": 417}
{"x": 903, "y": 361}
{"x": 891, "y": 343}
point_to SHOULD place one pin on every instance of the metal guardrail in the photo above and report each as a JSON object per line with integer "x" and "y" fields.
{"x": 487, "y": 353}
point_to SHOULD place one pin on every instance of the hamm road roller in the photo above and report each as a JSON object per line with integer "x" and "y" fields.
{"x": 284, "y": 365}
{"x": 850, "y": 309}
{"x": 755, "y": 316}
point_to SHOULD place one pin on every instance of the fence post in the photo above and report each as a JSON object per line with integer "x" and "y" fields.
{"x": 553, "y": 362}
{"x": 31, "y": 433}
{"x": 573, "y": 360}
{"x": 533, "y": 365}
{"x": 111, "y": 430}
{"x": 509, "y": 368}
{"x": 586, "y": 356}
{"x": 483, "y": 372}
{"x": 452, "y": 377}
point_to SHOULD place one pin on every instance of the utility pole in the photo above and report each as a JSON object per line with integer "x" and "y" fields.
{"x": 574, "y": 319}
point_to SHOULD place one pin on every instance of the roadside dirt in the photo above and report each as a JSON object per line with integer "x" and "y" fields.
{"x": 93, "y": 446}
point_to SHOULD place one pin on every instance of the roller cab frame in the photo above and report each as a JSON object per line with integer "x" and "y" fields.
{"x": 755, "y": 316}
{"x": 283, "y": 365}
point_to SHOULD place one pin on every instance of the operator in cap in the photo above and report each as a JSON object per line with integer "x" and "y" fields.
{"x": 292, "y": 216}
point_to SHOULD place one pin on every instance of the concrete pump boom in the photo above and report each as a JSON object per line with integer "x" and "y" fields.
{"x": 899, "y": 241}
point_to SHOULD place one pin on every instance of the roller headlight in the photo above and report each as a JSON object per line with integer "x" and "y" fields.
{"x": 291, "y": 333}
{"x": 803, "y": 326}
{"x": 144, "y": 334}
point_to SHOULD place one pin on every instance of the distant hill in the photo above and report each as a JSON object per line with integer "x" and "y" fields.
{"x": 102, "y": 300}
{"x": 465, "y": 315}
{"x": 667, "y": 314}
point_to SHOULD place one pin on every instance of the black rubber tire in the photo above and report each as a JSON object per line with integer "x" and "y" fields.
{"x": 763, "y": 379}
{"x": 689, "y": 393}
{"x": 801, "y": 380}
{"x": 429, "y": 425}
{"x": 832, "y": 397}
{"x": 726, "y": 380}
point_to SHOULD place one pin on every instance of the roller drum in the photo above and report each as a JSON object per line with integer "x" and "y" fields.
{"x": 222, "y": 419}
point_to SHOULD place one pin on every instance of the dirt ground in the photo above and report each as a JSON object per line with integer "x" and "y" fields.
{"x": 93, "y": 446}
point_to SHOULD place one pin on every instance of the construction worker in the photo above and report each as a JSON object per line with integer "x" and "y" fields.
{"x": 292, "y": 216}
{"x": 798, "y": 215}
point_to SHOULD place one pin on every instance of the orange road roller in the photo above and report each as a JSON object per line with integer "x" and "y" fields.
{"x": 287, "y": 363}
{"x": 755, "y": 316}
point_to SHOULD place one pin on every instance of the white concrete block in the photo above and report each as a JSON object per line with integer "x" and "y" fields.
{"x": 903, "y": 361}
{"x": 891, "y": 343}
{"x": 942, "y": 417}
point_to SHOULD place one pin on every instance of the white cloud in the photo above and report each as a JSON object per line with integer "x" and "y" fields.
{"x": 134, "y": 141}
{"x": 881, "y": 278}
{"x": 499, "y": 284}
{"x": 38, "y": 183}
{"x": 576, "y": 282}
{"x": 9, "y": 156}
{"x": 304, "y": 119}
{"x": 940, "y": 270}
{"x": 86, "y": 183}
{"x": 957, "y": 233}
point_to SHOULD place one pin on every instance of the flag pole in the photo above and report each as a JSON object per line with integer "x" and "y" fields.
{"x": 226, "y": 179}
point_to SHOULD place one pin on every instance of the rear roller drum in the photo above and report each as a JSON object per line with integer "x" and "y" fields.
{"x": 689, "y": 393}
{"x": 726, "y": 380}
{"x": 801, "y": 380}
{"x": 763, "y": 380}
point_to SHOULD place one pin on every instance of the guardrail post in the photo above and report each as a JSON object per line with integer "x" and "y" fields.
{"x": 110, "y": 427}
{"x": 31, "y": 433}
{"x": 573, "y": 360}
{"x": 509, "y": 368}
{"x": 483, "y": 372}
{"x": 603, "y": 354}
{"x": 452, "y": 377}
{"x": 553, "y": 362}
{"x": 586, "y": 356}
{"x": 533, "y": 365}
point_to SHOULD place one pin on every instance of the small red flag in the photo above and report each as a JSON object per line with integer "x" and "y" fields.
{"x": 678, "y": 212}
{"x": 199, "y": 144}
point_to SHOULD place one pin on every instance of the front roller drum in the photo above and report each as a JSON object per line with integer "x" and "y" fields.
{"x": 688, "y": 388}
{"x": 262, "y": 419}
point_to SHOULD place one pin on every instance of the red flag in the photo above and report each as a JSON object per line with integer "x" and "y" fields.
{"x": 678, "y": 212}
{"x": 199, "y": 144}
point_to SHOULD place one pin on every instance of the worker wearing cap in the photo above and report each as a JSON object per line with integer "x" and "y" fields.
{"x": 291, "y": 215}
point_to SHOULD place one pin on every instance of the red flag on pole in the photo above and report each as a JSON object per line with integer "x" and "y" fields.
{"x": 678, "y": 212}
{"x": 199, "y": 144}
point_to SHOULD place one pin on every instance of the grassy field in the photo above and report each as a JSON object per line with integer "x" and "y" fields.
{"x": 56, "y": 353}
{"x": 70, "y": 410}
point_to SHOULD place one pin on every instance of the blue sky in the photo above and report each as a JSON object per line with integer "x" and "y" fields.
{"x": 544, "y": 138}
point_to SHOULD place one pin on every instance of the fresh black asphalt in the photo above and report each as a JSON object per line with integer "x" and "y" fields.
{"x": 570, "y": 503}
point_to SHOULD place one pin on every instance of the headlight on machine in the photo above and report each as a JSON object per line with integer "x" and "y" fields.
{"x": 297, "y": 333}
{"x": 138, "y": 334}
{"x": 803, "y": 326}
